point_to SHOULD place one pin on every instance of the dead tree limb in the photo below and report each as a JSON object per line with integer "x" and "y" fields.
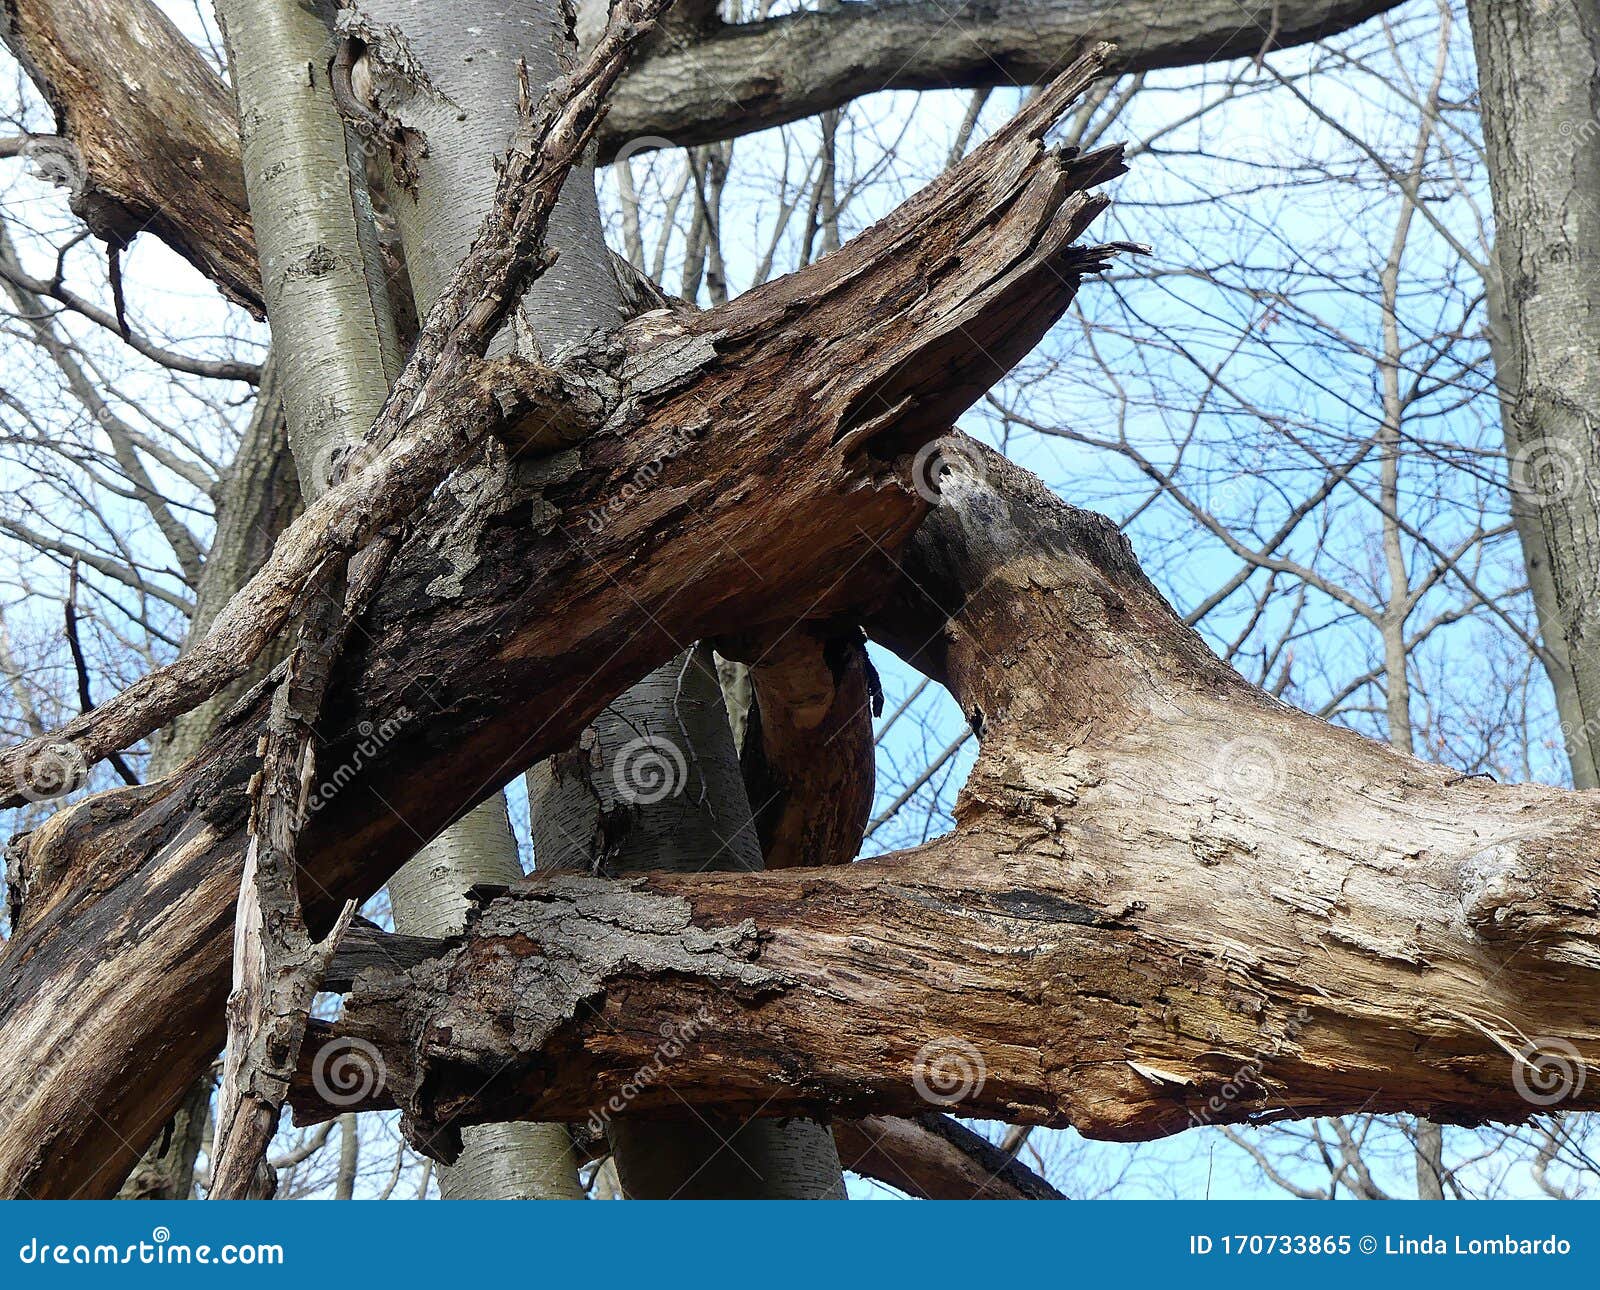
{"x": 934, "y": 1157}
{"x": 525, "y": 599}
{"x": 1169, "y": 900}
{"x": 808, "y": 753}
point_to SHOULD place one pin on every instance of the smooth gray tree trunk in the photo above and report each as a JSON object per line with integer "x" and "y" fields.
{"x": 655, "y": 784}
{"x": 1539, "y": 91}
{"x": 327, "y": 300}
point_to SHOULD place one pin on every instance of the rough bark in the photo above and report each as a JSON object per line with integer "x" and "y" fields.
{"x": 736, "y": 78}
{"x": 327, "y": 300}
{"x": 443, "y": 402}
{"x": 1538, "y": 91}
{"x": 428, "y": 896}
{"x": 524, "y": 603}
{"x": 728, "y": 81}
{"x": 653, "y": 784}
{"x": 1169, "y": 900}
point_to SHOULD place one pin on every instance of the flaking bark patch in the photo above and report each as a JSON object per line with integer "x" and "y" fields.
{"x": 531, "y": 962}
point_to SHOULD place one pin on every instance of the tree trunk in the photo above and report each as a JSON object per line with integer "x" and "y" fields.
{"x": 1538, "y": 86}
{"x": 654, "y": 785}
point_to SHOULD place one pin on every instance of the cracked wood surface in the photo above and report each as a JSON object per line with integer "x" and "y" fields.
{"x": 1169, "y": 899}
{"x": 528, "y": 595}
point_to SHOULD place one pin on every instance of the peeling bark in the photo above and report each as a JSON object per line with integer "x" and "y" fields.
{"x": 1169, "y": 900}
{"x": 524, "y": 601}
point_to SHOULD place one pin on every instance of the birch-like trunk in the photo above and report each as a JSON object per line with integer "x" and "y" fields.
{"x": 328, "y": 303}
{"x": 448, "y": 73}
{"x": 655, "y": 785}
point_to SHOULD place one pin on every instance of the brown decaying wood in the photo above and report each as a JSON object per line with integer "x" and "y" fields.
{"x": 1169, "y": 900}
{"x": 528, "y": 596}
{"x": 808, "y": 751}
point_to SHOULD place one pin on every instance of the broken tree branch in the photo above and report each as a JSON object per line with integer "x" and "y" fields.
{"x": 1169, "y": 900}
{"x": 525, "y": 599}
{"x": 808, "y": 754}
